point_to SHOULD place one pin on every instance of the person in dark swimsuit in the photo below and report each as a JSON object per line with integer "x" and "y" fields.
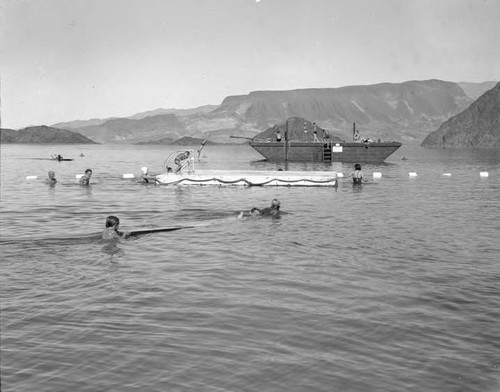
{"x": 111, "y": 229}
{"x": 357, "y": 175}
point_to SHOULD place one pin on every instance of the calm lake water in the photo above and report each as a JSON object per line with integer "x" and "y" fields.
{"x": 391, "y": 287}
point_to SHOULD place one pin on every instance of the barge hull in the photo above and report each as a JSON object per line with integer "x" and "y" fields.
{"x": 291, "y": 151}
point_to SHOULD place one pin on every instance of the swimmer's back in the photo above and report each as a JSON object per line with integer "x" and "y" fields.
{"x": 110, "y": 233}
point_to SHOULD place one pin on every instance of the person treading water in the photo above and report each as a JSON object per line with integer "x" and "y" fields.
{"x": 111, "y": 229}
{"x": 145, "y": 177}
{"x": 51, "y": 178}
{"x": 357, "y": 175}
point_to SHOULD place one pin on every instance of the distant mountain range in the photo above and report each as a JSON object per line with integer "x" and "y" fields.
{"x": 476, "y": 126}
{"x": 405, "y": 112}
{"x": 129, "y": 130}
{"x": 42, "y": 135}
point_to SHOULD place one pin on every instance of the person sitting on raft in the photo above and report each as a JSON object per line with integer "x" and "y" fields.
{"x": 51, "y": 177}
{"x": 357, "y": 175}
{"x": 182, "y": 160}
{"x": 111, "y": 229}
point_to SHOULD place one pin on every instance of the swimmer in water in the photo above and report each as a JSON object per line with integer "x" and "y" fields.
{"x": 111, "y": 229}
{"x": 145, "y": 178}
{"x": 51, "y": 178}
{"x": 357, "y": 175}
{"x": 85, "y": 179}
{"x": 274, "y": 210}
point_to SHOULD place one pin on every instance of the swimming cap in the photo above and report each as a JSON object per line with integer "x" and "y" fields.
{"x": 144, "y": 169}
{"x": 275, "y": 202}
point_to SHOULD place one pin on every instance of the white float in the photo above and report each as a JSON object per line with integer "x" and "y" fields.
{"x": 128, "y": 175}
{"x": 249, "y": 178}
{"x": 377, "y": 175}
{"x": 31, "y": 177}
{"x": 412, "y": 174}
{"x": 484, "y": 174}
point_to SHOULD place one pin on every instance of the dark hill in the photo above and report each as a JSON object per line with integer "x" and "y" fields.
{"x": 43, "y": 135}
{"x": 476, "y": 126}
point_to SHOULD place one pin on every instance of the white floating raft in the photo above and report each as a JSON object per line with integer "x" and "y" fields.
{"x": 249, "y": 178}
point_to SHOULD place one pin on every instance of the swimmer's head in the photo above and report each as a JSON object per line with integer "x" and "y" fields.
{"x": 144, "y": 170}
{"x": 88, "y": 171}
{"x": 112, "y": 221}
{"x": 357, "y": 166}
{"x": 51, "y": 174}
{"x": 276, "y": 203}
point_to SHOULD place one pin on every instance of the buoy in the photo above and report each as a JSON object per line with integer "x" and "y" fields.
{"x": 377, "y": 175}
{"x": 412, "y": 174}
{"x": 484, "y": 174}
{"x": 31, "y": 177}
{"x": 447, "y": 174}
{"x": 78, "y": 176}
{"x": 128, "y": 175}
{"x": 340, "y": 175}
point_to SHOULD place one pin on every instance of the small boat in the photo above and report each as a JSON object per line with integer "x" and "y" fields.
{"x": 185, "y": 174}
{"x": 301, "y": 143}
{"x": 60, "y": 158}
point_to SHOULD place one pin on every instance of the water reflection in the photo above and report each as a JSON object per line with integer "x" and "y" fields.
{"x": 111, "y": 248}
{"x": 357, "y": 188}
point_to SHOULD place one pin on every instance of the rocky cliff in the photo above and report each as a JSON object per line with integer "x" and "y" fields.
{"x": 476, "y": 126}
{"x": 43, "y": 135}
{"x": 382, "y": 109}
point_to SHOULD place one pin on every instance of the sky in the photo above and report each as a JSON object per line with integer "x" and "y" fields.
{"x": 65, "y": 60}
